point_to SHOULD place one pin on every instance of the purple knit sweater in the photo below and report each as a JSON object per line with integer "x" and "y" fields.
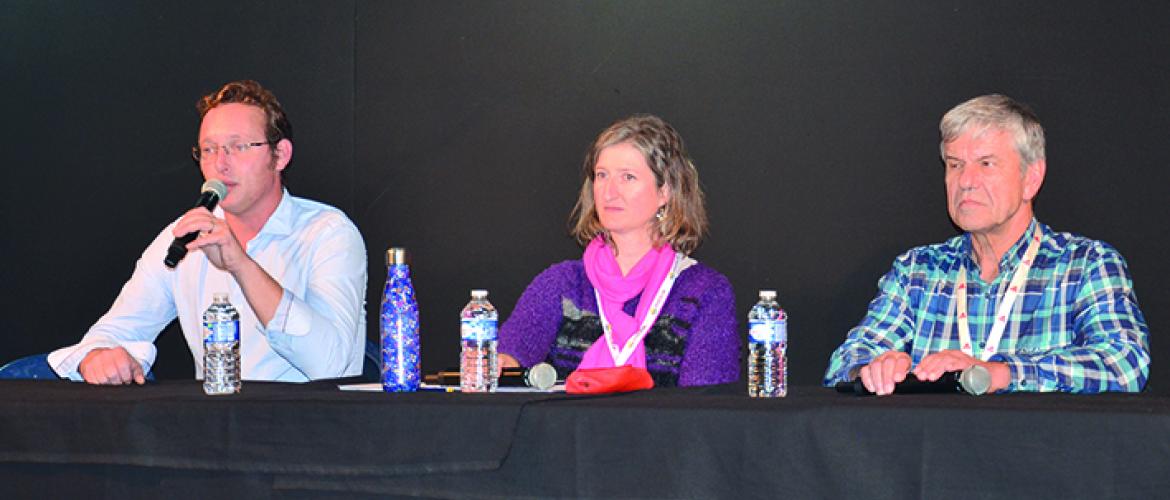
{"x": 694, "y": 341}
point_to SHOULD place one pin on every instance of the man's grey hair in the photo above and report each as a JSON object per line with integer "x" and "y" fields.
{"x": 1000, "y": 112}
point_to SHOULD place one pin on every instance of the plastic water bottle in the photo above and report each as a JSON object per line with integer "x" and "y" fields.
{"x": 401, "y": 371}
{"x": 221, "y": 347}
{"x": 768, "y": 348}
{"x": 478, "y": 363}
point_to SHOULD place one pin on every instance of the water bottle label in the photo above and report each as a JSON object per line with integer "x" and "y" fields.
{"x": 478, "y": 329}
{"x": 221, "y": 331}
{"x": 768, "y": 330}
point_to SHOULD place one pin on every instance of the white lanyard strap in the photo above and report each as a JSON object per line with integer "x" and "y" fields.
{"x": 620, "y": 356}
{"x": 1005, "y": 307}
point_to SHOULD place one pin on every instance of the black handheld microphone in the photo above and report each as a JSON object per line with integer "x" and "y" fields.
{"x": 212, "y": 191}
{"x": 540, "y": 376}
{"x": 974, "y": 381}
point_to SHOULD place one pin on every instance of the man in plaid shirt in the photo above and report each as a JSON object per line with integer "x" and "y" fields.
{"x": 1040, "y": 310}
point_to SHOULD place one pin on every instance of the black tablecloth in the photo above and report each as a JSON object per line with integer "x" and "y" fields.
{"x": 288, "y": 440}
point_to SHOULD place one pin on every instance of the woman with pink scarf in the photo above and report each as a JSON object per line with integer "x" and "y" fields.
{"x": 635, "y": 298}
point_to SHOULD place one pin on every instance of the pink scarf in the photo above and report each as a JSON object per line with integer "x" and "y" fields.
{"x": 614, "y": 289}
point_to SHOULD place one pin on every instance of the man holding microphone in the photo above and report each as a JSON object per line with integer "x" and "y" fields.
{"x": 295, "y": 268}
{"x": 1039, "y": 310}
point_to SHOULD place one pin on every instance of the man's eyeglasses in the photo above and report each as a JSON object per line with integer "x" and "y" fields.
{"x": 210, "y": 151}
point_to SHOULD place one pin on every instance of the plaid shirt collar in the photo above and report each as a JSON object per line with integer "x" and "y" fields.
{"x": 1011, "y": 258}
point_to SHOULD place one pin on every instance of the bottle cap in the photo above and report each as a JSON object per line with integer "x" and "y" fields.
{"x": 768, "y": 294}
{"x": 395, "y": 256}
{"x": 479, "y": 294}
{"x": 219, "y": 297}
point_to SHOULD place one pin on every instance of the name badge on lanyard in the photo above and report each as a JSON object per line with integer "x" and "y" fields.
{"x": 622, "y": 354}
{"x": 1003, "y": 313}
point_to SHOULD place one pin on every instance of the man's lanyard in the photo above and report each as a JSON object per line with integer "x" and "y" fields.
{"x": 620, "y": 356}
{"x": 1005, "y": 307}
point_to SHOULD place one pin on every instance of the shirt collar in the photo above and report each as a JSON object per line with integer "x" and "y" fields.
{"x": 1013, "y": 256}
{"x": 280, "y": 223}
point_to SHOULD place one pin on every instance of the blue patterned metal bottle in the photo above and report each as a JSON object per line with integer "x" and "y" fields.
{"x": 400, "y": 346}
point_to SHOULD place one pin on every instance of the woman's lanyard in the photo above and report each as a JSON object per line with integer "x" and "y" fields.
{"x": 620, "y": 356}
{"x": 1005, "y": 307}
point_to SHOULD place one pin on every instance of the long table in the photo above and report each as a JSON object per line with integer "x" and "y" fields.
{"x": 167, "y": 439}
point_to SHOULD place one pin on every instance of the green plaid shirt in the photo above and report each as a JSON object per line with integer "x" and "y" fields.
{"x": 1076, "y": 327}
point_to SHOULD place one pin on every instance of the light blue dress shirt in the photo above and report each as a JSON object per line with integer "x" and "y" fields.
{"x": 311, "y": 249}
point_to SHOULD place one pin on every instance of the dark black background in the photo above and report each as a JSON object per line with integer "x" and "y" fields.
{"x": 457, "y": 129}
